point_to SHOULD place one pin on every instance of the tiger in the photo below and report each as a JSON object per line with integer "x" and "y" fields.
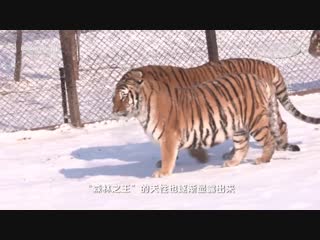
{"x": 234, "y": 106}
{"x": 173, "y": 77}
{"x": 314, "y": 46}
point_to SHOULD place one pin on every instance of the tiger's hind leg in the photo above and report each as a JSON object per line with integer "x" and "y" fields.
{"x": 241, "y": 147}
{"x": 268, "y": 150}
{"x": 283, "y": 129}
{"x": 200, "y": 154}
{"x": 283, "y": 132}
{"x": 284, "y": 136}
{"x": 263, "y": 135}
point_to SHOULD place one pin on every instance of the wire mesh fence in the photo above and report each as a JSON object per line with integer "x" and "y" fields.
{"x": 106, "y": 55}
{"x": 287, "y": 49}
{"x": 35, "y": 101}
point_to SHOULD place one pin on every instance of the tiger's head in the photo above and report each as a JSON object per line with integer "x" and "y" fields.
{"x": 314, "y": 47}
{"x": 126, "y": 98}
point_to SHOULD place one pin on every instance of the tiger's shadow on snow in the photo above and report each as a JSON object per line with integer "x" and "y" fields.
{"x": 139, "y": 160}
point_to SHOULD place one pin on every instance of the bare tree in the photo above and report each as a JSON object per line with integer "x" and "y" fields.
{"x": 17, "y": 72}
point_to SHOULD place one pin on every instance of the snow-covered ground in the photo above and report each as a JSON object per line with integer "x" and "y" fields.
{"x": 106, "y": 55}
{"x": 108, "y": 165}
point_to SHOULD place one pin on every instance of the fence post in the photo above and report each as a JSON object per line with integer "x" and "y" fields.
{"x": 17, "y": 71}
{"x": 69, "y": 55}
{"x": 212, "y": 45}
{"x": 64, "y": 95}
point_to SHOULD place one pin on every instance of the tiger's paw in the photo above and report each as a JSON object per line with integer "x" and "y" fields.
{"x": 160, "y": 174}
{"x": 262, "y": 160}
{"x": 289, "y": 147}
{"x": 231, "y": 163}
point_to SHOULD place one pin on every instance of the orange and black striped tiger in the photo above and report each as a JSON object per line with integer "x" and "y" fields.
{"x": 233, "y": 106}
{"x": 174, "y": 77}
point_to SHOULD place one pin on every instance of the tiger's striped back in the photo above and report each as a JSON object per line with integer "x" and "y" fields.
{"x": 174, "y": 77}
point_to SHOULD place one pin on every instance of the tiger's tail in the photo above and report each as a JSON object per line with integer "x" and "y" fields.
{"x": 283, "y": 97}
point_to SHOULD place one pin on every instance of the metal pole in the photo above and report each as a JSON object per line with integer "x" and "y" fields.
{"x": 212, "y": 45}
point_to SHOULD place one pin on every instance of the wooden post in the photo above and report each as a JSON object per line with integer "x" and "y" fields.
{"x": 64, "y": 95}
{"x": 69, "y": 55}
{"x": 77, "y": 50}
{"x": 212, "y": 45}
{"x": 17, "y": 71}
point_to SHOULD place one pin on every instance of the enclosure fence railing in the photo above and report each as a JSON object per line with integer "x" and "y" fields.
{"x": 50, "y": 77}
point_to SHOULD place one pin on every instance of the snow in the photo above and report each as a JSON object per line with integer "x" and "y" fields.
{"x": 67, "y": 168}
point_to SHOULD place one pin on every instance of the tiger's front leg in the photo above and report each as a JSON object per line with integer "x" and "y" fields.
{"x": 169, "y": 152}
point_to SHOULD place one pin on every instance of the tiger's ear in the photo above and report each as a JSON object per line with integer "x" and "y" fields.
{"x": 138, "y": 76}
